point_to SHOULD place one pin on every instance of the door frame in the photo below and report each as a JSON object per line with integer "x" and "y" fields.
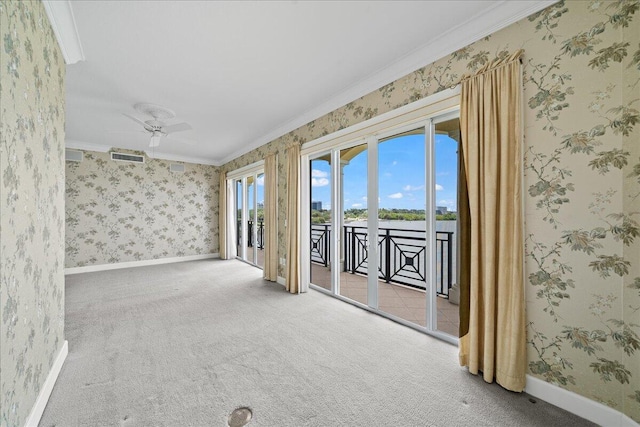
{"x": 241, "y": 175}
{"x": 424, "y": 113}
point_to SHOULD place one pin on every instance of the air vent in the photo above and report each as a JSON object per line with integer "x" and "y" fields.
{"x": 73, "y": 155}
{"x": 176, "y": 167}
{"x": 132, "y": 158}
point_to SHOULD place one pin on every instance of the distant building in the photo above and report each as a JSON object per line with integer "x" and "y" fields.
{"x": 441, "y": 210}
{"x": 316, "y": 206}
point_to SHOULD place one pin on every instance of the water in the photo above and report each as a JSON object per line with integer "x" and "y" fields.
{"x": 409, "y": 225}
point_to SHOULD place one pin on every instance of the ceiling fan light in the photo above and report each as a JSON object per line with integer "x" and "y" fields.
{"x": 155, "y": 139}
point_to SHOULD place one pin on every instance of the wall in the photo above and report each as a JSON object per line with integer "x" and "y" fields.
{"x": 119, "y": 212}
{"x": 582, "y": 175}
{"x": 32, "y": 73}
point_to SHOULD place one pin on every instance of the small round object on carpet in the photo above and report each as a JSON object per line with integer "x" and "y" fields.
{"x": 240, "y": 417}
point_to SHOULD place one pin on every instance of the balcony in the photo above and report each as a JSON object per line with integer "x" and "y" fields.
{"x": 401, "y": 270}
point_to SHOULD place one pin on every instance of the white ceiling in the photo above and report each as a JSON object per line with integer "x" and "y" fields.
{"x": 244, "y": 73}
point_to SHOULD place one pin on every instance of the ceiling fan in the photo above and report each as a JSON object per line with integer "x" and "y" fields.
{"x": 156, "y": 126}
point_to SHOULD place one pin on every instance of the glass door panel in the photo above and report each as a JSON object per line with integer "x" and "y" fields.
{"x": 260, "y": 220}
{"x": 239, "y": 202}
{"x": 447, "y": 138}
{"x": 251, "y": 222}
{"x": 402, "y": 244}
{"x": 320, "y": 223}
{"x": 248, "y": 205}
{"x": 354, "y": 251}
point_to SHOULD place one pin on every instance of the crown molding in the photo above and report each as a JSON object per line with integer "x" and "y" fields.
{"x": 177, "y": 158}
{"x": 88, "y": 146}
{"x": 493, "y": 19}
{"x": 64, "y": 27}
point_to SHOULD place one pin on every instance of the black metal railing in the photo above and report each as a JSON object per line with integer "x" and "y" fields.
{"x": 402, "y": 254}
{"x": 320, "y": 238}
{"x": 259, "y": 234}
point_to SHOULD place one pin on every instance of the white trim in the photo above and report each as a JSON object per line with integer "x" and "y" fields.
{"x": 493, "y": 19}
{"x": 143, "y": 263}
{"x": 415, "y": 112}
{"x": 281, "y": 280}
{"x": 45, "y": 392}
{"x": 249, "y": 169}
{"x": 305, "y": 218}
{"x": 178, "y": 158}
{"x": 64, "y": 27}
{"x": 86, "y": 146}
{"x": 584, "y": 407}
{"x": 373, "y": 206}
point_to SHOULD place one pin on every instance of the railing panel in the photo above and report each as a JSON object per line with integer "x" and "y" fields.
{"x": 320, "y": 238}
{"x": 250, "y": 240}
{"x": 402, "y": 254}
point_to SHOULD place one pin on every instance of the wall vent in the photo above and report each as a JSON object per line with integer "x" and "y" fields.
{"x": 73, "y": 155}
{"x": 176, "y": 167}
{"x": 132, "y": 158}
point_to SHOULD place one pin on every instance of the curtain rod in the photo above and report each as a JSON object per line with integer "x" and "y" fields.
{"x": 490, "y": 66}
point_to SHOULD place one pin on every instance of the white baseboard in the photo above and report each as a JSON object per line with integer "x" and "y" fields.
{"x": 103, "y": 267}
{"x": 43, "y": 397}
{"x": 569, "y": 401}
{"x": 281, "y": 280}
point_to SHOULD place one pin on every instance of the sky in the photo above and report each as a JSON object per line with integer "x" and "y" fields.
{"x": 401, "y": 175}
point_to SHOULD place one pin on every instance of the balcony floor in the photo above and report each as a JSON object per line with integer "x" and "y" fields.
{"x": 401, "y": 301}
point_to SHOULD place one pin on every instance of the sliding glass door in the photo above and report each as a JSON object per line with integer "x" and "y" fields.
{"x": 249, "y": 204}
{"x": 382, "y": 223}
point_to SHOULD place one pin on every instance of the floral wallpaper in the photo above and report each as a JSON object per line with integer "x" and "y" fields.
{"x": 582, "y": 175}
{"x": 119, "y": 211}
{"x": 32, "y": 115}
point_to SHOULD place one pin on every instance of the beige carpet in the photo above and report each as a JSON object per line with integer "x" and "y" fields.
{"x": 184, "y": 344}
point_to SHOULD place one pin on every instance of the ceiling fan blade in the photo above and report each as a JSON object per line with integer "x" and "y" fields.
{"x": 140, "y": 122}
{"x": 176, "y": 128}
{"x": 180, "y": 140}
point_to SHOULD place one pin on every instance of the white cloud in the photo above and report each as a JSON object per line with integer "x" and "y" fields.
{"x": 260, "y": 180}
{"x": 319, "y": 182}
{"x": 394, "y": 163}
{"x": 387, "y": 175}
{"x": 356, "y": 205}
{"x": 412, "y": 188}
{"x": 364, "y": 198}
{"x": 439, "y": 187}
{"x": 449, "y": 203}
{"x": 395, "y": 196}
{"x": 319, "y": 174}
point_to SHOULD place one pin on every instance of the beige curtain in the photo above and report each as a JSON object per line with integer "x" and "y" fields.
{"x": 490, "y": 116}
{"x": 293, "y": 219}
{"x": 464, "y": 240}
{"x": 222, "y": 217}
{"x": 270, "y": 218}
